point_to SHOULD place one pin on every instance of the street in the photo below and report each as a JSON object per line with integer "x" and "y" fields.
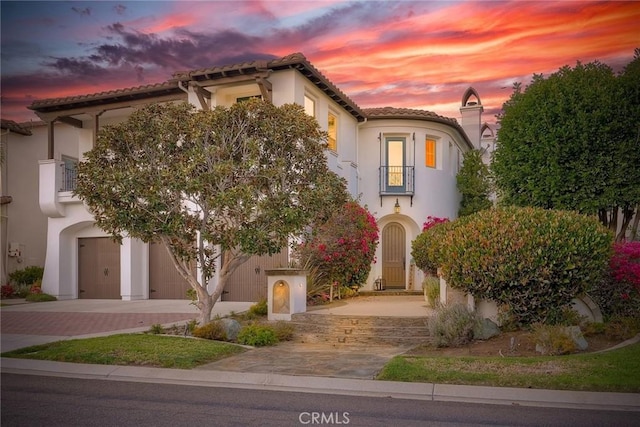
{"x": 29, "y": 400}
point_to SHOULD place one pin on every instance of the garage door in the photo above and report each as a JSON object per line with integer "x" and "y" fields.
{"x": 249, "y": 282}
{"x": 98, "y": 268}
{"x": 164, "y": 280}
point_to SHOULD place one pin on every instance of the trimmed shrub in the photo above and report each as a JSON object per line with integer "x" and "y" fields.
{"x": 257, "y": 335}
{"x": 212, "y": 331}
{"x": 27, "y": 276}
{"x": 535, "y": 261}
{"x": 453, "y": 326}
{"x": 427, "y": 248}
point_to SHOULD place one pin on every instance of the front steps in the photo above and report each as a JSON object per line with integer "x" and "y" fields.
{"x": 345, "y": 330}
{"x": 389, "y": 292}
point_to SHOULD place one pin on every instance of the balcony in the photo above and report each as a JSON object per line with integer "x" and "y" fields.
{"x": 69, "y": 176}
{"x": 396, "y": 180}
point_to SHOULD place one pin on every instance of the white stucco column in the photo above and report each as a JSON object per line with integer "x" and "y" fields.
{"x": 134, "y": 269}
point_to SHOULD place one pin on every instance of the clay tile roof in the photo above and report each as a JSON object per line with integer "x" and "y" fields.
{"x": 14, "y": 127}
{"x": 405, "y": 113}
{"x": 411, "y": 114}
{"x": 295, "y": 61}
{"x": 115, "y": 95}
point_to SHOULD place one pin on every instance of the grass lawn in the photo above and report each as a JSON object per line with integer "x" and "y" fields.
{"x": 132, "y": 349}
{"x": 617, "y": 370}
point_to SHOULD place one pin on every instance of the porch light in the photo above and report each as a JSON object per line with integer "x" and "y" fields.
{"x": 396, "y": 207}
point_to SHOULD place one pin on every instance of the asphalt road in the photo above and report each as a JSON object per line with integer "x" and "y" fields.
{"x": 29, "y": 400}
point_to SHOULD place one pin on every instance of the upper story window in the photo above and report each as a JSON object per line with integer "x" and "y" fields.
{"x": 309, "y": 106}
{"x": 332, "y": 129}
{"x": 430, "y": 150}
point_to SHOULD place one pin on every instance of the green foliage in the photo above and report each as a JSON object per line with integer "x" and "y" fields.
{"x": 284, "y": 330}
{"x": 26, "y": 276}
{"x": 570, "y": 141}
{"x": 452, "y": 326}
{"x": 40, "y": 297}
{"x": 253, "y": 175}
{"x": 618, "y": 294}
{"x": 622, "y": 328}
{"x": 257, "y": 335}
{"x": 532, "y": 260}
{"x": 427, "y": 249}
{"x": 474, "y": 183}
{"x": 156, "y": 329}
{"x": 260, "y": 308}
{"x": 553, "y": 339}
{"x": 593, "y": 328}
{"x": 343, "y": 247}
{"x": 431, "y": 287}
{"x": 211, "y": 331}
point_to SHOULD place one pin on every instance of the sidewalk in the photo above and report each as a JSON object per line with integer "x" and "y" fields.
{"x": 299, "y": 367}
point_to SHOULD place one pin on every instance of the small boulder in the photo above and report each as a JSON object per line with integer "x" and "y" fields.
{"x": 485, "y": 329}
{"x": 576, "y": 335}
{"x": 231, "y": 327}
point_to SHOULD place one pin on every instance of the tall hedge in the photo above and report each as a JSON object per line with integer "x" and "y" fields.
{"x": 426, "y": 249}
{"x": 533, "y": 260}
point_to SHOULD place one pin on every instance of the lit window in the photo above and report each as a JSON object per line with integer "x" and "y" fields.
{"x": 309, "y": 106}
{"x": 332, "y": 129}
{"x": 430, "y": 149}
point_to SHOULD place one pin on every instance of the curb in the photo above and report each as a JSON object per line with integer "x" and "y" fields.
{"x": 330, "y": 385}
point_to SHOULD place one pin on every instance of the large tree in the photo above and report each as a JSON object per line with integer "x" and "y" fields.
{"x": 570, "y": 141}
{"x": 215, "y": 187}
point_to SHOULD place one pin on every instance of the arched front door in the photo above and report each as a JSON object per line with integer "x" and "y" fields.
{"x": 393, "y": 255}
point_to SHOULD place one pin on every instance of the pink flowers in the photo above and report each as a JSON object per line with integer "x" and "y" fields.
{"x": 344, "y": 247}
{"x": 433, "y": 221}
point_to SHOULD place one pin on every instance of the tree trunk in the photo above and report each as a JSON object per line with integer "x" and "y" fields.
{"x": 627, "y": 215}
{"x": 634, "y": 227}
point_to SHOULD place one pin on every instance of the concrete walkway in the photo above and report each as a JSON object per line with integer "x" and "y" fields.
{"x": 287, "y": 367}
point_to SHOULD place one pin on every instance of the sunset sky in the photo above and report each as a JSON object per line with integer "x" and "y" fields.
{"x": 414, "y": 54}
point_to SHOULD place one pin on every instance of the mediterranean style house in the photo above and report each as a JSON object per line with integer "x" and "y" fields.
{"x": 400, "y": 163}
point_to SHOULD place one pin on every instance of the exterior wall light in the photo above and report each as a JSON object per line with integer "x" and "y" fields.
{"x": 396, "y": 207}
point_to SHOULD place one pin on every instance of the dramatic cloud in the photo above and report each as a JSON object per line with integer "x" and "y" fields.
{"x": 421, "y": 54}
{"x": 83, "y": 12}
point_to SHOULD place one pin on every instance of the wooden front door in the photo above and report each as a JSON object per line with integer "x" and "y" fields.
{"x": 98, "y": 268}
{"x": 393, "y": 256}
{"x": 164, "y": 280}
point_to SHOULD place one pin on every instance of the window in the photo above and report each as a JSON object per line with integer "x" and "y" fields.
{"x": 395, "y": 164}
{"x": 332, "y": 129}
{"x": 430, "y": 150}
{"x": 309, "y": 106}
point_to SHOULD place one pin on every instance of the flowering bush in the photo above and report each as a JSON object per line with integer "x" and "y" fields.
{"x": 432, "y": 221}
{"x": 534, "y": 261}
{"x": 619, "y": 293}
{"x": 343, "y": 248}
{"x": 7, "y": 291}
{"x": 426, "y": 249}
